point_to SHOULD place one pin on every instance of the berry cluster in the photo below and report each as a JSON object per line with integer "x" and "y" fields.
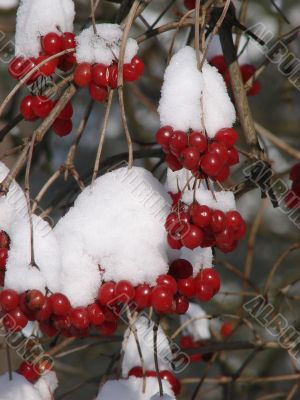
{"x": 4, "y": 248}
{"x": 206, "y": 158}
{"x": 35, "y": 107}
{"x": 52, "y": 44}
{"x": 247, "y": 71}
{"x": 165, "y": 374}
{"x": 99, "y": 77}
{"x": 292, "y": 197}
{"x": 198, "y": 225}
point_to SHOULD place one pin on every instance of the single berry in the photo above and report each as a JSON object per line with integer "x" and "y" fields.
{"x": 226, "y": 329}
{"x": 26, "y": 108}
{"x": 218, "y": 221}
{"x": 198, "y": 140}
{"x": 68, "y": 41}
{"x": 83, "y": 74}
{"x": 138, "y": 65}
{"x": 181, "y": 269}
{"x": 130, "y": 73}
{"x": 106, "y": 293}
{"x": 100, "y": 75}
{"x": 181, "y": 304}
{"x": 173, "y": 162}
{"x": 173, "y": 381}
{"x": 45, "y": 312}
{"x": 62, "y": 128}
{"x": 113, "y": 76}
{"x": 9, "y": 300}
{"x": 29, "y": 371}
{"x": 4, "y": 240}
{"x": 211, "y": 164}
{"x": 223, "y": 175}
{"x": 200, "y": 215}
{"x": 233, "y": 156}
{"x": 124, "y": 291}
{"x": 227, "y": 136}
{"x": 136, "y": 371}
{"x": 98, "y": 93}
{"x": 190, "y": 158}
{"x": 168, "y": 282}
{"x": 163, "y": 136}
{"x": 204, "y": 292}
{"x": 80, "y": 317}
{"x": 187, "y": 287}
{"x": 225, "y": 240}
{"x": 52, "y": 43}
{"x": 42, "y": 106}
{"x": 178, "y": 142}
{"x": 48, "y": 68}
{"x": 210, "y": 277}
{"x": 60, "y": 304}
{"x": 35, "y": 300}
{"x": 15, "y": 320}
{"x": 192, "y": 238}
{"x": 161, "y": 299}
{"x": 218, "y": 61}
{"x": 174, "y": 243}
{"x": 96, "y": 315}
{"x": 234, "y": 220}
{"x": 220, "y": 150}
{"x": 67, "y": 112}
{"x": 143, "y": 296}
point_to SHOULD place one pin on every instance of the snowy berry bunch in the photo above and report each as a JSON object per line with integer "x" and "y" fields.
{"x": 292, "y": 198}
{"x": 198, "y": 225}
{"x": 247, "y": 71}
{"x": 4, "y": 248}
{"x": 97, "y": 56}
{"x": 205, "y": 157}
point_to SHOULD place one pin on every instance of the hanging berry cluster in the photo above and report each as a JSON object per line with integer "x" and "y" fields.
{"x": 99, "y": 77}
{"x": 205, "y": 157}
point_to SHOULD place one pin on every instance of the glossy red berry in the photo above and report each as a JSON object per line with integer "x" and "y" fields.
{"x": 218, "y": 61}
{"x": 190, "y": 158}
{"x": 190, "y": 4}
{"x": 192, "y": 237}
{"x": 83, "y": 74}
{"x": 173, "y": 381}
{"x": 62, "y": 128}
{"x": 136, "y": 371}
{"x": 234, "y": 220}
{"x": 106, "y": 293}
{"x": 163, "y": 136}
{"x": 220, "y": 150}
{"x": 113, "y": 76}
{"x": 26, "y": 108}
{"x": 95, "y": 314}
{"x": 227, "y": 136}
{"x": 35, "y": 300}
{"x": 65, "y": 65}
{"x": 143, "y": 296}
{"x": 52, "y": 43}
{"x": 9, "y": 300}
{"x": 4, "y": 240}
{"x": 130, "y": 73}
{"x": 223, "y": 175}
{"x": 187, "y": 342}
{"x": 124, "y": 291}
{"x": 226, "y": 329}
{"x": 60, "y": 304}
{"x": 67, "y": 113}
{"x": 68, "y": 40}
{"x": 42, "y": 106}
{"x": 174, "y": 242}
{"x": 62, "y": 322}
{"x": 200, "y": 215}
{"x": 295, "y": 172}
{"x": 181, "y": 304}
{"x": 168, "y": 282}
{"x": 29, "y": 371}
{"x": 211, "y": 164}
{"x": 30, "y": 314}
{"x": 108, "y": 328}
{"x": 178, "y": 142}
{"x": 173, "y": 162}
{"x": 218, "y": 221}
{"x": 210, "y": 277}
{"x": 48, "y": 67}
{"x": 15, "y": 320}
{"x": 233, "y": 156}
{"x": 138, "y": 65}
{"x": 187, "y": 287}
{"x": 198, "y": 140}
{"x": 204, "y": 292}
{"x": 161, "y": 299}
{"x": 80, "y": 317}
{"x": 225, "y": 239}
{"x": 98, "y": 93}
{"x": 100, "y": 75}
{"x": 19, "y": 66}
{"x": 44, "y": 313}
{"x": 181, "y": 269}
{"x": 3, "y": 258}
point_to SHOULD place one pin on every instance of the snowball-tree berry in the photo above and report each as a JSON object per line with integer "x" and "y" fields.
{"x": 62, "y": 322}
{"x": 138, "y": 65}
{"x": 124, "y": 291}
{"x": 98, "y": 93}
{"x": 210, "y": 277}
{"x": 173, "y": 381}
{"x": 15, "y": 320}
{"x": 9, "y": 300}
{"x": 178, "y": 142}
{"x": 234, "y": 220}
{"x": 295, "y": 172}
{"x": 83, "y": 74}
{"x": 211, "y": 164}
{"x": 62, "y": 127}
{"x": 136, "y": 371}
{"x": 52, "y": 43}
{"x": 200, "y": 214}
{"x": 60, "y": 304}
{"x": 225, "y": 239}
{"x": 68, "y": 40}
{"x": 48, "y": 67}
{"x": 220, "y": 150}
{"x": 161, "y": 299}
{"x": 143, "y": 296}
{"x": 108, "y": 328}
{"x": 173, "y": 162}
{"x": 163, "y": 136}
{"x": 218, "y": 61}
{"x": 181, "y": 269}
{"x": 26, "y": 108}
{"x": 3, "y": 258}
{"x": 233, "y": 156}
{"x": 96, "y": 315}
{"x": 190, "y": 158}
{"x": 100, "y": 75}
{"x": 80, "y": 317}
{"x": 187, "y": 286}
{"x": 35, "y": 300}
{"x": 66, "y": 113}
{"x": 106, "y": 293}
{"x": 30, "y": 314}
{"x": 204, "y": 292}
{"x": 42, "y": 106}
{"x": 227, "y": 136}
{"x": 29, "y": 371}
{"x": 198, "y": 140}
{"x": 4, "y": 240}
{"x": 218, "y": 221}
{"x": 174, "y": 243}
{"x": 226, "y": 329}
{"x": 44, "y": 313}
{"x": 192, "y": 237}
{"x": 168, "y": 282}
{"x": 113, "y": 76}
{"x": 130, "y": 73}
{"x": 187, "y": 342}
{"x": 223, "y": 175}
{"x": 181, "y": 304}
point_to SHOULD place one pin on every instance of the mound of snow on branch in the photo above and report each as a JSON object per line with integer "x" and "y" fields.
{"x": 36, "y": 18}
{"x": 191, "y": 99}
{"x": 197, "y": 323}
{"x": 104, "y": 46}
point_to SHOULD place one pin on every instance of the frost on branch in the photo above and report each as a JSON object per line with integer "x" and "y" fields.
{"x": 190, "y": 97}
{"x": 104, "y": 46}
{"x": 36, "y": 18}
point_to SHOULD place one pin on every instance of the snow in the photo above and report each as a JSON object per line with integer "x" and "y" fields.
{"x": 36, "y": 18}
{"x": 198, "y": 328}
{"x": 19, "y": 388}
{"x": 199, "y": 258}
{"x": 132, "y": 389}
{"x": 190, "y": 97}
{"x": 180, "y": 180}
{"x": 103, "y": 47}
{"x": 224, "y": 200}
{"x": 118, "y": 224}
{"x": 144, "y": 328}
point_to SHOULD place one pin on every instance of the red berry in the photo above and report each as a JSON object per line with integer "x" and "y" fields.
{"x": 211, "y": 164}
{"x": 26, "y": 108}
{"x": 52, "y": 43}
{"x": 161, "y": 299}
{"x": 68, "y": 41}
{"x": 218, "y": 221}
{"x": 113, "y": 76}
{"x": 255, "y": 89}
{"x": 98, "y": 93}
{"x": 234, "y": 220}
{"x": 198, "y": 140}
{"x": 19, "y": 67}
{"x": 190, "y": 4}
{"x": 60, "y": 304}
{"x": 45, "y": 312}
{"x": 295, "y": 172}
{"x": 35, "y": 300}
{"x": 225, "y": 239}
{"x": 106, "y": 293}
{"x": 181, "y": 269}
{"x": 30, "y": 314}
{"x": 210, "y": 277}
{"x": 143, "y": 296}
{"x": 296, "y": 187}
{"x": 4, "y": 240}
{"x": 62, "y": 322}
{"x": 174, "y": 243}
{"x": 95, "y": 314}
{"x": 190, "y": 158}
{"x": 200, "y": 215}
{"x": 108, "y": 328}
{"x": 174, "y": 382}
{"x": 15, "y": 320}
{"x": 173, "y": 162}
{"x": 124, "y": 291}
{"x": 62, "y": 128}
{"x": 138, "y": 64}
{"x": 227, "y": 136}
{"x": 178, "y": 142}
{"x": 65, "y": 65}
{"x": 238, "y": 235}
{"x": 130, "y": 73}
{"x": 223, "y": 175}
{"x": 42, "y": 106}
{"x": 83, "y": 74}
{"x": 187, "y": 342}
{"x": 9, "y": 300}
{"x": 3, "y": 258}
{"x": 204, "y": 292}
{"x": 100, "y": 75}
{"x": 136, "y": 371}
{"x": 219, "y": 62}
{"x": 192, "y": 238}
{"x": 29, "y": 371}
{"x": 220, "y": 150}
{"x": 187, "y": 286}
{"x": 163, "y": 136}
{"x": 226, "y": 329}
{"x": 48, "y": 329}
{"x": 181, "y": 304}
{"x": 233, "y": 156}
{"x": 67, "y": 113}
{"x": 48, "y": 68}
{"x": 80, "y": 317}
{"x": 168, "y": 282}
